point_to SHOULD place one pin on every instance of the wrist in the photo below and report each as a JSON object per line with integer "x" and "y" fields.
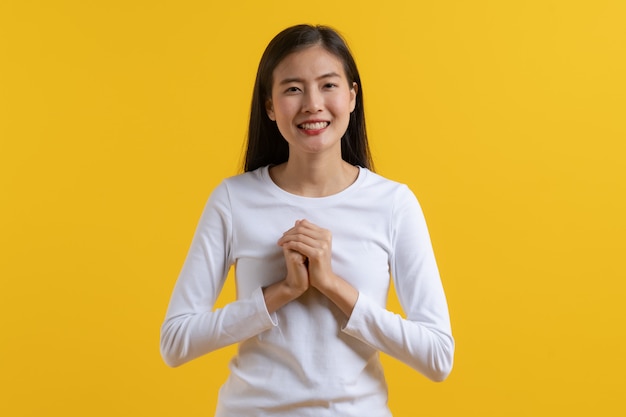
{"x": 328, "y": 285}
{"x": 279, "y": 294}
{"x": 290, "y": 290}
{"x": 340, "y": 292}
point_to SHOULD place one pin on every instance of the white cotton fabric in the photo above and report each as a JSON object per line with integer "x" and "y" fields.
{"x": 308, "y": 359}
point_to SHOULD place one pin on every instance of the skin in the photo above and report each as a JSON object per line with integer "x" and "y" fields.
{"x": 311, "y": 104}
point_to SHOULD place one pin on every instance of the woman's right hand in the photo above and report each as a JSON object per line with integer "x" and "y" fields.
{"x": 297, "y": 271}
{"x": 292, "y": 286}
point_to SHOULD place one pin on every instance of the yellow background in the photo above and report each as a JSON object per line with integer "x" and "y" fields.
{"x": 507, "y": 118}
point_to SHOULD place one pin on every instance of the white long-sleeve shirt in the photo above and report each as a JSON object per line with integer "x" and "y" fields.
{"x": 308, "y": 358}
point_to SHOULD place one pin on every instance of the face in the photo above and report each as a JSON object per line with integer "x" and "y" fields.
{"x": 311, "y": 101}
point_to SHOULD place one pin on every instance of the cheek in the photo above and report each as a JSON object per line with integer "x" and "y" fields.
{"x": 284, "y": 109}
{"x": 342, "y": 105}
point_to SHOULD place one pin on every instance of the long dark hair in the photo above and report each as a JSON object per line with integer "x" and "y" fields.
{"x": 266, "y": 145}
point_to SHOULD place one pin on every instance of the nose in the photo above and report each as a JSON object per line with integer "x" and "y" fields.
{"x": 312, "y": 102}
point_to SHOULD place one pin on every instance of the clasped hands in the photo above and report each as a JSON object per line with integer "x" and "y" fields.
{"x": 307, "y": 249}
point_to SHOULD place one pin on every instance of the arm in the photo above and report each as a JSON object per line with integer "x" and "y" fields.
{"x": 423, "y": 339}
{"x": 191, "y": 327}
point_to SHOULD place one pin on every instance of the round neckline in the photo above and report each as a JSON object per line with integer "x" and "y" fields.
{"x": 290, "y": 197}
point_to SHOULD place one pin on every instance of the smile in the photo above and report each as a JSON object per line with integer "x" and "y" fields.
{"x": 314, "y": 126}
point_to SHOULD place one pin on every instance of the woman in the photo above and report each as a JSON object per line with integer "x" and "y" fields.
{"x": 314, "y": 236}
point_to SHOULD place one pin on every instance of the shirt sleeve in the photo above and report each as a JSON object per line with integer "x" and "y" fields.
{"x": 423, "y": 339}
{"x": 192, "y": 327}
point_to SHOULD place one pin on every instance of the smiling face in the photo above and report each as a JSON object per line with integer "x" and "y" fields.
{"x": 311, "y": 101}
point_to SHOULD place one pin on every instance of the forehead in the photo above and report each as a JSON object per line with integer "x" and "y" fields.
{"x": 311, "y": 62}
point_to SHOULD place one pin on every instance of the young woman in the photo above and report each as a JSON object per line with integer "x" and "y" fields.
{"x": 314, "y": 235}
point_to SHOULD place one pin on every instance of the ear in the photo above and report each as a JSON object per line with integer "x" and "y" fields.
{"x": 353, "y": 93}
{"x": 269, "y": 108}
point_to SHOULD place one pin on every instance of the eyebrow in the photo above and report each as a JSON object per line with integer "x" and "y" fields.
{"x": 300, "y": 80}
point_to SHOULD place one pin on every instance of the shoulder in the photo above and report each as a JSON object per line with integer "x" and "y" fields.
{"x": 244, "y": 187}
{"x": 383, "y": 187}
{"x": 246, "y": 179}
{"x": 396, "y": 197}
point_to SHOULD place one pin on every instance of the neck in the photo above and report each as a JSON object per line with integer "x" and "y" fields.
{"x": 314, "y": 177}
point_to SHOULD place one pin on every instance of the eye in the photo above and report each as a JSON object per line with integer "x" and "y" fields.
{"x": 292, "y": 90}
{"x": 330, "y": 86}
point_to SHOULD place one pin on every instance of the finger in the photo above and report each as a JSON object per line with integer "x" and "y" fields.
{"x": 308, "y": 229}
{"x": 308, "y": 236}
{"x": 292, "y": 229}
{"x": 300, "y": 248}
{"x": 304, "y": 224}
{"x": 300, "y": 239}
{"x": 294, "y": 256}
{"x": 312, "y": 249}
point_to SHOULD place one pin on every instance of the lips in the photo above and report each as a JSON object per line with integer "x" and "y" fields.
{"x": 313, "y": 125}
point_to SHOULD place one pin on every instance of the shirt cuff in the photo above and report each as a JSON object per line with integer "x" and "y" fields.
{"x": 358, "y": 317}
{"x": 250, "y": 319}
{"x": 269, "y": 320}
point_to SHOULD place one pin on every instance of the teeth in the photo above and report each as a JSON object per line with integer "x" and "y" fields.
{"x": 314, "y": 126}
